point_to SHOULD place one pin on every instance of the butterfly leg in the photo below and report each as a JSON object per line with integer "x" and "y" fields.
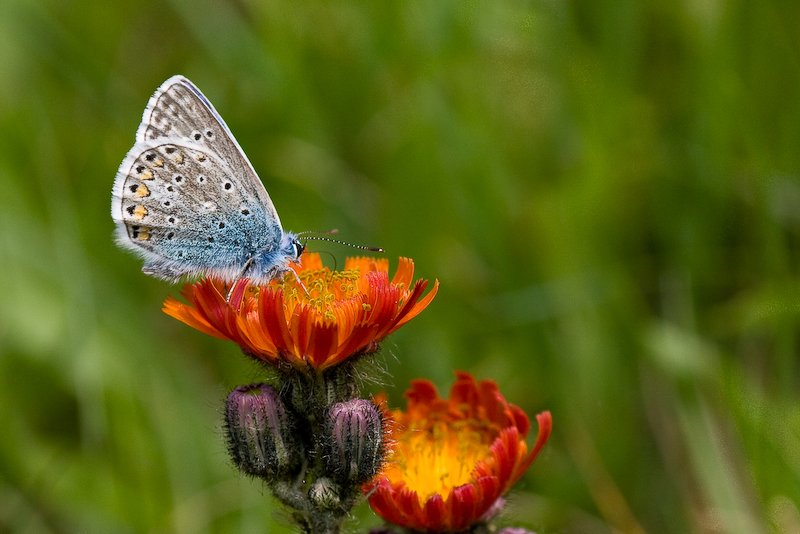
{"x": 239, "y": 276}
{"x": 247, "y": 265}
{"x": 299, "y": 282}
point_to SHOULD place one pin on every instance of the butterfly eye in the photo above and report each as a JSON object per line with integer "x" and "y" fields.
{"x": 299, "y": 248}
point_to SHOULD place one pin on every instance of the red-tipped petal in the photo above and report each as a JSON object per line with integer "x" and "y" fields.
{"x": 435, "y": 514}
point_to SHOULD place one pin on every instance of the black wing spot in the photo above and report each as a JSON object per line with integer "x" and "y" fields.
{"x": 170, "y": 149}
{"x": 180, "y": 253}
{"x": 221, "y": 225}
{"x": 133, "y": 188}
{"x": 178, "y": 178}
{"x": 210, "y": 134}
{"x": 140, "y": 169}
{"x": 210, "y": 239}
{"x": 170, "y": 188}
{"x": 228, "y": 185}
{"x": 170, "y": 235}
{"x": 130, "y": 210}
{"x": 196, "y": 135}
{"x": 167, "y": 203}
{"x": 150, "y": 156}
{"x": 245, "y": 212}
{"x": 171, "y": 219}
{"x": 201, "y": 179}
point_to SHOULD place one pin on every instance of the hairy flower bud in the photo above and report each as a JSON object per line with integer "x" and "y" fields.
{"x": 355, "y": 441}
{"x": 260, "y": 435}
{"x": 324, "y": 493}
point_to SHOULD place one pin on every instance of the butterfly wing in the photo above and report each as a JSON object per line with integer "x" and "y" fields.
{"x": 187, "y": 199}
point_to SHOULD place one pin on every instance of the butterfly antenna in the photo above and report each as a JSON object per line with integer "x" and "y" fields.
{"x": 362, "y": 247}
{"x": 320, "y": 232}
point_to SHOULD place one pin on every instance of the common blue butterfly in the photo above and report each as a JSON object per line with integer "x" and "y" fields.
{"x": 187, "y": 199}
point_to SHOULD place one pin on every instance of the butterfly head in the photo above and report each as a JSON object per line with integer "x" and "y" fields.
{"x": 298, "y": 248}
{"x": 291, "y": 248}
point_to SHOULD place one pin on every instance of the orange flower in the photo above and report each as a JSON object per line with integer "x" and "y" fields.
{"x": 343, "y": 313}
{"x": 453, "y": 458}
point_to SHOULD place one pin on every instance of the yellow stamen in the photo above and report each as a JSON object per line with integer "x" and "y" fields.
{"x": 438, "y": 459}
{"x": 324, "y": 287}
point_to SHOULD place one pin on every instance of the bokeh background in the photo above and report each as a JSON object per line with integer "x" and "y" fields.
{"x": 607, "y": 191}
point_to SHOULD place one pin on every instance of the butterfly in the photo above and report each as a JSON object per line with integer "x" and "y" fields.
{"x": 187, "y": 199}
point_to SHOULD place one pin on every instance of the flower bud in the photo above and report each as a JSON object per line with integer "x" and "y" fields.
{"x": 355, "y": 442}
{"x": 260, "y": 435}
{"x": 324, "y": 493}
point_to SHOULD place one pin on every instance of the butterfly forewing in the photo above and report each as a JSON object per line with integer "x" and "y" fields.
{"x": 178, "y": 109}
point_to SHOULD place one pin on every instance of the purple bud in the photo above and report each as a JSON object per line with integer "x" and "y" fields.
{"x": 355, "y": 443}
{"x": 260, "y": 437}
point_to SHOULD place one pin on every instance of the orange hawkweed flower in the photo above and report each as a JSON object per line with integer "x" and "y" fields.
{"x": 453, "y": 458}
{"x": 342, "y": 314}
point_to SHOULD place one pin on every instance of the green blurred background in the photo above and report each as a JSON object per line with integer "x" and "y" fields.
{"x": 607, "y": 191}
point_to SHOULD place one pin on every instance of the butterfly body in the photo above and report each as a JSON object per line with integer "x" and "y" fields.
{"x": 187, "y": 199}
